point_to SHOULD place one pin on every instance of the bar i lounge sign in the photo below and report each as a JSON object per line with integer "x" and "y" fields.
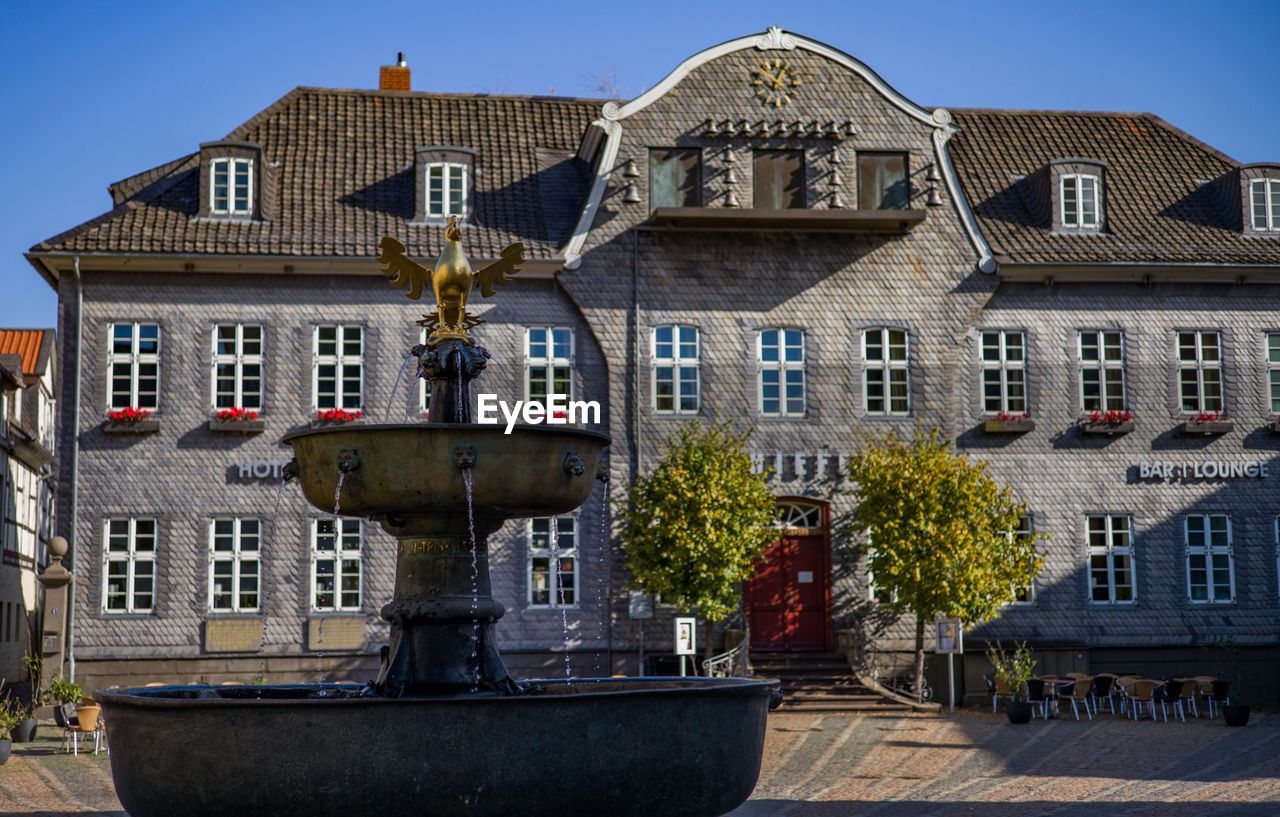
{"x": 1169, "y": 471}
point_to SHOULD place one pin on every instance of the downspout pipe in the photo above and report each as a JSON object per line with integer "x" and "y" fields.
{"x": 74, "y": 488}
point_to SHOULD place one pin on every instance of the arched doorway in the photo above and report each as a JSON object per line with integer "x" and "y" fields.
{"x": 788, "y": 600}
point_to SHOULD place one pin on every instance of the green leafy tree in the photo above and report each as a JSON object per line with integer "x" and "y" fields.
{"x": 940, "y": 532}
{"x": 696, "y": 524}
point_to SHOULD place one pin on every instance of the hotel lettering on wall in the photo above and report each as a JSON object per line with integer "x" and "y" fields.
{"x": 260, "y": 469}
{"x": 1169, "y": 471}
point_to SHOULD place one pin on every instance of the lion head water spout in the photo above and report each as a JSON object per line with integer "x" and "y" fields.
{"x": 444, "y": 730}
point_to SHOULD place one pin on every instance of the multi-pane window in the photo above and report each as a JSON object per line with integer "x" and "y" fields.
{"x": 1264, "y": 204}
{"x": 1110, "y": 544}
{"x": 1080, "y": 201}
{"x": 1024, "y": 594}
{"x": 134, "y": 363}
{"x": 885, "y": 379}
{"x": 129, "y": 565}
{"x": 1004, "y": 372}
{"x": 553, "y": 562}
{"x": 237, "y": 366}
{"x": 882, "y": 181}
{"x": 235, "y": 569}
{"x": 335, "y": 564}
{"x": 1210, "y": 563}
{"x": 548, "y": 362}
{"x": 1200, "y": 372}
{"x": 231, "y": 187}
{"x": 338, "y": 368}
{"x": 1273, "y": 371}
{"x": 446, "y": 189}
{"x": 780, "y": 355}
{"x": 778, "y": 179}
{"x": 1102, "y": 370}
{"x": 675, "y": 369}
{"x": 675, "y": 177}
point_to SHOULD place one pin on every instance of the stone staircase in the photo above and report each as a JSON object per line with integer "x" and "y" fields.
{"x": 820, "y": 682}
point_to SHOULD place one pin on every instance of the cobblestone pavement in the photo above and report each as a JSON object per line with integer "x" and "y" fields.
{"x": 832, "y": 765}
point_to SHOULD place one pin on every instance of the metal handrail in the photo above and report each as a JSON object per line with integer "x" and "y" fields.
{"x": 724, "y": 665}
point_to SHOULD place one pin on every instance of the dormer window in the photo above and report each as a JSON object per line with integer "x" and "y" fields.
{"x": 1079, "y": 196}
{"x": 231, "y": 187}
{"x": 1264, "y": 204}
{"x": 446, "y": 190}
{"x": 445, "y": 182}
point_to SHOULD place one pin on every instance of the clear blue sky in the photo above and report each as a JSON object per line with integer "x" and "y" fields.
{"x": 97, "y": 91}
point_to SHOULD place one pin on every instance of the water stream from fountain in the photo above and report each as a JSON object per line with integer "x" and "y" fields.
{"x": 410, "y": 410}
{"x": 601, "y": 603}
{"x": 475, "y": 579}
{"x": 386, "y": 415}
{"x": 337, "y": 502}
{"x": 554, "y": 529}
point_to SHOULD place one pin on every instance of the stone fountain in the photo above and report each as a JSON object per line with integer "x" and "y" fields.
{"x": 443, "y": 731}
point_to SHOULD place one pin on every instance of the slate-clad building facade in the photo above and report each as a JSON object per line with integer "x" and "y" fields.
{"x": 771, "y": 234}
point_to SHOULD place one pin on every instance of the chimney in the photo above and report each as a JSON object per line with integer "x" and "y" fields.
{"x": 394, "y": 77}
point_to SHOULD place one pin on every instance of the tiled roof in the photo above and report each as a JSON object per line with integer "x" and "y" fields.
{"x": 10, "y": 371}
{"x": 345, "y": 160}
{"x": 31, "y": 346}
{"x": 1158, "y": 209}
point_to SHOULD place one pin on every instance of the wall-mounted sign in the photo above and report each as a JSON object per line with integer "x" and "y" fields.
{"x": 262, "y": 469}
{"x": 950, "y": 636}
{"x": 1166, "y": 471}
{"x": 686, "y": 635}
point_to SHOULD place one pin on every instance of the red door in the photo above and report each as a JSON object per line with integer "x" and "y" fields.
{"x": 786, "y": 601}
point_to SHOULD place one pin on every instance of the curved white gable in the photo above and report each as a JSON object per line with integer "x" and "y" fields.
{"x": 772, "y": 39}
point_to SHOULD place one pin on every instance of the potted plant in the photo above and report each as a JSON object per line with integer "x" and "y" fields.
{"x": 1113, "y": 421}
{"x": 1208, "y": 422}
{"x": 66, "y": 695}
{"x": 236, "y": 420}
{"x": 1236, "y": 714}
{"x": 337, "y": 416}
{"x": 1005, "y": 422}
{"x": 1013, "y": 670}
{"x": 130, "y": 421}
{"x": 10, "y": 717}
{"x": 25, "y": 730}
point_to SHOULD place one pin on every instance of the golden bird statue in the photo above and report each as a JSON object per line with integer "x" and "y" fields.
{"x": 451, "y": 279}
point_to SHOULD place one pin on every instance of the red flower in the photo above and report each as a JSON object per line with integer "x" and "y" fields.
{"x": 128, "y": 415}
{"x": 1006, "y": 417}
{"x": 338, "y": 415}
{"x": 1209, "y": 417}
{"x": 237, "y": 414}
{"x": 1111, "y": 416}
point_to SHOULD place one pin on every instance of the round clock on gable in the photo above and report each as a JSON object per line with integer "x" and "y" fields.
{"x": 774, "y": 82}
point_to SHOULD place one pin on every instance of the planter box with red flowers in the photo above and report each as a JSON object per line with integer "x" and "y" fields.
{"x": 1213, "y": 422}
{"x": 236, "y": 421}
{"x": 130, "y": 421}
{"x": 1006, "y": 423}
{"x": 1115, "y": 421}
{"x": 336, "y": 417}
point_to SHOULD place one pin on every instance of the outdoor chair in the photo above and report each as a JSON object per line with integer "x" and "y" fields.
{"x": 1170, "y": 694}
{"x": 1190, "y": 688}
{"x": 1077, "y": 694}
{"x": 1037, "y": 697}
{"x": 998, "y": 690}
{"x": 1203, "y": 689}
{"x": 1102, "y": 688}
{"x": 1121, "y": 687}
{"x": 87, "y": 721}
{"x": 1141, "y": 694}
{"x": 1219, "y": 695}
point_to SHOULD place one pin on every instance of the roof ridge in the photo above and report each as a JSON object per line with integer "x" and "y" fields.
{"x": 452, "y": 94}
{"x": 1053, "y": 111}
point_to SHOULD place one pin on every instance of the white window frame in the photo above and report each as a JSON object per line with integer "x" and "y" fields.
{"x": 45, "y": 417}
{"x": 236, "y": 205}
{"x": 1077, "y": 213}
{"x": 1104, "y": 365}
{"x": 1003, "y": 365}
{"x": 679, "y": 364}
{"x": 339, "y": 360}
{"x": 449, "y": 173}
{"x": 1207, "y": 552}
{"x": 352, "y": 531}
{"x": 132, "y": 558}
{"x": 239, "y": 360}
{"x": 1271, "y": 355}
{"x": 1026, "y": 529}
{"x": 1200, "y": 367}
{"x": 554, "y": 574}
{"x": 238, "y": 557}
{"x": 1270, "y": 205}
{"x": 134, "y": 359}
{"x": 549, "y": 362}
{"x": 1110, "y": 551}
{"x": 886, "y": 366}
{"x": 784, "y": 368}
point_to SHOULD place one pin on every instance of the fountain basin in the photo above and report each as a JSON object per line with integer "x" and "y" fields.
{"x": 401, "y": 472}
{"x": 633, "y": 747}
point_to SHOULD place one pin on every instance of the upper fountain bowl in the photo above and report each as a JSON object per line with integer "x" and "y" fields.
{"x": 406, "y": 475}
